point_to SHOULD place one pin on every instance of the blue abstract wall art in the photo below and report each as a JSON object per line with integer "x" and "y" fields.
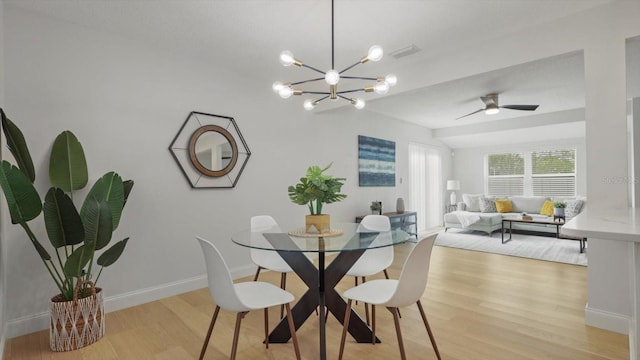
{"x": 376, "y": 161}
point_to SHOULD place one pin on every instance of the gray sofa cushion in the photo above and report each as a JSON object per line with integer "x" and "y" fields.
{"x": 528, "y": 204}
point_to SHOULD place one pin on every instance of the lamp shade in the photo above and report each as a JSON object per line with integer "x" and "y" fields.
{"x": 453, "y": 184}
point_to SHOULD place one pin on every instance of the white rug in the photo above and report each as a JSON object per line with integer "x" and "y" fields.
{"x": 529, "y": 246}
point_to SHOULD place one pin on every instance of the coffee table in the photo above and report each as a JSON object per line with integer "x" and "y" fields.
{"x": 557, "y": 224}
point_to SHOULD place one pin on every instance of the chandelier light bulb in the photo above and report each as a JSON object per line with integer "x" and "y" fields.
{"x": 277, "y": 85}
{"x": 332, "y": 77}
{"x": 358, "y": 103}
{"x": 309, "y": 105}
{"x": 286, "y": 58}
{"x": 375, "y": 53}
{"x": 285, "y": 92}
{"x": 381, "y": 87}
{"x": 391, "y": 79}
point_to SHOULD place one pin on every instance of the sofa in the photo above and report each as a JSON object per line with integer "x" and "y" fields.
{"x": 485, "y": 213}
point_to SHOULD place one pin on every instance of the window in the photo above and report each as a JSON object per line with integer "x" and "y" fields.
{"x": 543, "y": 173}
{"x": 425, "y": 185}
{"x": 505, "y": 174}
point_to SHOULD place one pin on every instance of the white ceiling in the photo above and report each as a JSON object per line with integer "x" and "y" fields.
{"x": 237, "y": 32}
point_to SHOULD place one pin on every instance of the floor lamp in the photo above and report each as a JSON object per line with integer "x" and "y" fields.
{"x": 453, "y": 185}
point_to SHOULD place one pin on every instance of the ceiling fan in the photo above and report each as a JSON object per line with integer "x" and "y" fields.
{"x": 491, "y": 106}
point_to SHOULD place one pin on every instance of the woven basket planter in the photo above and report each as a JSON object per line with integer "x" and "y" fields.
{"x": 77, "y": 323}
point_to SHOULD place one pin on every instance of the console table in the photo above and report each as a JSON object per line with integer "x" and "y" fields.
{"x": 406, "y": 221}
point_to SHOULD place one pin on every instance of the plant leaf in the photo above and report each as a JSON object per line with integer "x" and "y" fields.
{"x": 109, "y": 188}
{"x": 78, "y": 259}
{"x": 18, "y": 147}
{"x": 128, "y": 186}
{"x": 62, "y": 221}
{"x": 67, "y": 164}
{"x": 97, "y": 223}
{"x": 113, "y": 253}
{"x": 22, "y": 198}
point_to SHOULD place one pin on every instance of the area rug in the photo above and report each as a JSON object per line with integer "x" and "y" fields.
{"x": 529, "y": 246}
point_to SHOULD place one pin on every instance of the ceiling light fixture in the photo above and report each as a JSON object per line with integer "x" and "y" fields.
{"x": 332, "y": 77}
{"x": 492, "y": 109}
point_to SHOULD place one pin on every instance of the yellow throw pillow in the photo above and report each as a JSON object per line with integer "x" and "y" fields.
{"x": 504, "y": 205}
{"x": 547, "y": 208}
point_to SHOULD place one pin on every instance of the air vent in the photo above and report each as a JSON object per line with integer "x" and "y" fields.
{"x": 405, "y": 51}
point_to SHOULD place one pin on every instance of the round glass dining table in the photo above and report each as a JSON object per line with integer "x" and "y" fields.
{"x": 348, "y": 241}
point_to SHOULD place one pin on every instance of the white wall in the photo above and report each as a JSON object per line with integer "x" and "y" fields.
{"x": 125, "y": 102}
{"x": 468, "y": 164}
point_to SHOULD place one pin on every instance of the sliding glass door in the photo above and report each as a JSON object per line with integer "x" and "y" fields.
{"x": 425, "y": 185}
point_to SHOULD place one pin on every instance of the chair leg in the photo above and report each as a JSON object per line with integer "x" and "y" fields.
{"x": 266, "y": 327}
{"x": 373, "y": 324}
{"x": 366, "y": 306}
{"x": 426, "y": 324}
{"x": 255, "y": 278}
{"x": 236, "y": 334}
{"x": 292, "y": 329}
{"x": 206, "y": 339}
{"x": 347, "y": 315}
{"x": 283, "y": 285}
{"x": 396, "y": 322}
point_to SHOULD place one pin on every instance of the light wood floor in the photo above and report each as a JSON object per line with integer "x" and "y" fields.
{"x": 480, "y": 306}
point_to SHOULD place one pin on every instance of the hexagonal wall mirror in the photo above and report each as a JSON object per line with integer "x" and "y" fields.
{"x": 210, "y": 150}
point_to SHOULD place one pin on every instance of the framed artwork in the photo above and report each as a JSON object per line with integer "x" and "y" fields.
{"x": 376, "y": 161}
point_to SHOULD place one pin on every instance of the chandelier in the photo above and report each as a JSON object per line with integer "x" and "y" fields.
{"x": 332, "y": 77}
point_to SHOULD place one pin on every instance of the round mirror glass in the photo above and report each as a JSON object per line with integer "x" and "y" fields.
{"x": 213, "y": 150}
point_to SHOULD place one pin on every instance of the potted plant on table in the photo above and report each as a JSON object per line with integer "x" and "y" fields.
{"x": 77, "y": 312}
{"x": 314, "y": 190}
{"x": 558, "y": 208}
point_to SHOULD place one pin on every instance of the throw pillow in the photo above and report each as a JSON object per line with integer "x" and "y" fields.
{"x": 573, "y": 208}
{"x": 472, "y": 201}
{"x": 488, "y": 205}
{"x": 504, "y": 205}
{"x": 547, "y": 208}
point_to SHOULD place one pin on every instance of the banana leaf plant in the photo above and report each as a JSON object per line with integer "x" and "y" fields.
{"x": 75, "y": 236}
{"x": 316, "y": 189}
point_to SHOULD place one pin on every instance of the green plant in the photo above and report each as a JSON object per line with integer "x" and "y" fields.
{"x": 317, "y": 188}
{"x": 559, "y": 204}
{"x": 75, "y": 236}
{"x": 376, "y": 206}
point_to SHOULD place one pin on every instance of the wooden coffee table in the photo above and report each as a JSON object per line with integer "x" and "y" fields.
{"x": 557, "y": 224}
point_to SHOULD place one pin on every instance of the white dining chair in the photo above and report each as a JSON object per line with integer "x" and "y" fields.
{"x": 241, "y": 298}
{"x": 375, "y": 260}
{"x": 393, "y": 294}
{"x": 268, "y": 259}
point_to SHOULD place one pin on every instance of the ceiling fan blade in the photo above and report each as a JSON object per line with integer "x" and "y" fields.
{"x": 521, "y": 107}
{"x": 475, "y": 112}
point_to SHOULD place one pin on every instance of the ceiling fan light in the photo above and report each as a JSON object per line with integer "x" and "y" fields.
{"x": 492, "y": 109}
{"x": 375, "y": 53}
{"x": 332, "y": 77}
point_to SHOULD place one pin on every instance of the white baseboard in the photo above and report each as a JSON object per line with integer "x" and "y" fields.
{"x": 40, "y": 321}
{"x": 607, "y": 320}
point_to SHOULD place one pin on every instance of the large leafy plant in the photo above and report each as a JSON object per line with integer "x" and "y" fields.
{"x": 317, "y": 188}
{"x": 75, "y": 236}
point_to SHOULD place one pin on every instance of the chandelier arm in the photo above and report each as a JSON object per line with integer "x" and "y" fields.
{"x": 306, "y": 81}
{"x": 312, "y": 68}
{"x": 351, "y": 67}
{"x": 349, "y": 91}
{"x": 317, "y": 93}
{"x": 359, "y": 78}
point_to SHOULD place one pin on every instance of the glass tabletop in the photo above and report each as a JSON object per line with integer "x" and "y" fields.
{"x": 343, "y": 237}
